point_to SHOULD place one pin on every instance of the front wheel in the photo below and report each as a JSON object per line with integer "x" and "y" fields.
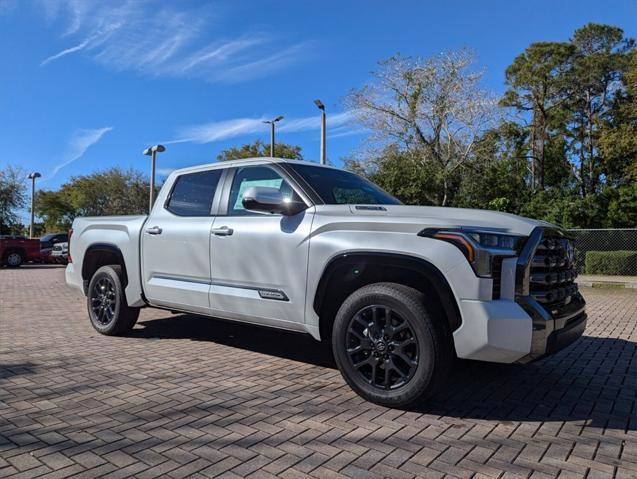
{"x": 14, "y": 259}
{"x": 107, "y": 307}
{"x": 390, "y": 347}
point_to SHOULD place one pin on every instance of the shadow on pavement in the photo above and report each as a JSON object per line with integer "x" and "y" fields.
{"x": 594, "y": 381}
{"x": 8, "y": 371}
{"x": 275, "y": 342}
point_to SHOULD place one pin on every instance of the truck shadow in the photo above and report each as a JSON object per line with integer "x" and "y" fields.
{"x": 592, "y": 382}
{"x": 275, "y": 342}
{"x": 10, "y": 370}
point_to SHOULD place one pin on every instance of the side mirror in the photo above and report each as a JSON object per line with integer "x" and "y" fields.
{"x": 264, "y": 199}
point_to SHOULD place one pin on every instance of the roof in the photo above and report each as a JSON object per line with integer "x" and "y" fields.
{"x": 244, "y": 161}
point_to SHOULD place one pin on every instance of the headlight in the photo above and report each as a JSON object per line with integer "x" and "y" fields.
{"x": 479, "y": 247}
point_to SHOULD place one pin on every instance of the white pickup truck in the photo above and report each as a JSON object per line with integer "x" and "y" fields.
{"x": 398, "y": 291}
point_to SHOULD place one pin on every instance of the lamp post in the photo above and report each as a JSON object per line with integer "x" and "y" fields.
{"x": 152, "y": 152}
{"x": 271, "y": 123}
{"x": 32, "y": 177}
{"x": 321, "y": 107}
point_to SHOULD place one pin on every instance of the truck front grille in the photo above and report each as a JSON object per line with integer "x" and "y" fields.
{"x": 553, "y": 273}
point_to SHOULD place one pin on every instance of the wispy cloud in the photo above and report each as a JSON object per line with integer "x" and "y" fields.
{"x": 80, "y": 141}
{"x": 219, "y": 130}
{"x": 164, "y": 40}
{"x": 263, "y": 66}
{"x": 89, "y": 42}
{"x": 338, "y": 124}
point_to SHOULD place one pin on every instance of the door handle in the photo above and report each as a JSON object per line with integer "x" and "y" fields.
{"x": 222, "y": 231}
{"x": 155, "y": 230}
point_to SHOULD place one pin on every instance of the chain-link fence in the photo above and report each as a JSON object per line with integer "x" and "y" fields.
{"x": 606, "y": 251}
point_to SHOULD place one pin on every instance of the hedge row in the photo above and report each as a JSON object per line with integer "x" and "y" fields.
{"x": 615, "y": 263}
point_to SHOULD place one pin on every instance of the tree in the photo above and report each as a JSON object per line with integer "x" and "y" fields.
{"x": 598, "y": 64}
{"x": 110, "y": 192}
{"x": 12, "y": 198}
{"x": 618, "y": 137}
{"x": 496, "y": 178}
{"x": 55, "y": 209}
{"x": 432, "y": 108}
{"x": 538, "y": 81}
{"x": 259, "y": 149}
{"x": 401, "y": 173}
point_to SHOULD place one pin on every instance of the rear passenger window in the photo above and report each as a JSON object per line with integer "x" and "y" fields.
{"x": 192, "y": 193}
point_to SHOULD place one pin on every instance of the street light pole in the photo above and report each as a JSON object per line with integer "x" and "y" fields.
{"x": 32, "y": 177}
{"x": 152, "y": 152}
{"x": 271, "y": 123}
{"x": 321, "y": 107}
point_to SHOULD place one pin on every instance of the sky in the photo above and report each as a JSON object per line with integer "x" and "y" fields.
{"x": 87, "y": 84}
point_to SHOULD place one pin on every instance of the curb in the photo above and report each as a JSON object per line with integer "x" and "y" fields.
{"x": 607, "y": 285}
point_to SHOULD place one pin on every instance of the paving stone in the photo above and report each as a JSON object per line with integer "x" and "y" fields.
{"x": 189, "y": 396}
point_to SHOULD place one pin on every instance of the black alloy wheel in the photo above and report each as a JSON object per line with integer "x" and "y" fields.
{"x": 104, "y": 300}
{"x": 392, "y": 344}
{"x": 107, "y": 307}
{"x": 382, "y": 347}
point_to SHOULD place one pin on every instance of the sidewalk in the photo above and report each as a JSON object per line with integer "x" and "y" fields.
{"x": 601, "y": 281}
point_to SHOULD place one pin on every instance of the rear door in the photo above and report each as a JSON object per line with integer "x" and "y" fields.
{"x": 259, "y": 261}
{"x": 176, "y": 243}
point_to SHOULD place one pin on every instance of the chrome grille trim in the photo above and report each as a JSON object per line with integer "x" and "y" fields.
{"x": 545, "y": 288}
{"x": 552, "y": 272}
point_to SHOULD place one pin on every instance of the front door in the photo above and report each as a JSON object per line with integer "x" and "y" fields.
{"x": 176, "y": 244}
{"x": 259, "y": 261}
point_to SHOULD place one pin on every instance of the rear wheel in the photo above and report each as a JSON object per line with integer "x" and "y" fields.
{"x": 14, "y": 259}
{"x": 107, "y": 308}
{"x": 390, "y": 348}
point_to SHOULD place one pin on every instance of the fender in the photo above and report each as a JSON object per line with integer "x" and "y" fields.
{"x": 97, "y": 252}
{"x": 349, "y": 271}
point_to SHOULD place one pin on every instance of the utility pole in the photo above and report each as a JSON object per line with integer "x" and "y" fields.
{"x": 32, "y": 177}
{"x": 152, "y": 152}
{"x": 271, "y": 123}
{"x": 321, "y": 107}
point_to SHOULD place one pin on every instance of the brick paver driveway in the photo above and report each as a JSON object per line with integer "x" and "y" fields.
{"x": 191, "y": 396}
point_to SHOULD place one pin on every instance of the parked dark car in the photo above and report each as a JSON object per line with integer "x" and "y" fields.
{"x": 47, "y": 242}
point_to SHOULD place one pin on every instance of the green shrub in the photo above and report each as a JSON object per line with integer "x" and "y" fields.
{"x": 615, "y": 263}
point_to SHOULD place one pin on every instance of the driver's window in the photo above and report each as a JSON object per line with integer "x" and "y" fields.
{"x": 249, "y": 176}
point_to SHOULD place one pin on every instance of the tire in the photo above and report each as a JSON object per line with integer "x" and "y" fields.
{"x": 400, "y": 364}
{"x": 14, "y": 259}
{"x": 107, "y": 308}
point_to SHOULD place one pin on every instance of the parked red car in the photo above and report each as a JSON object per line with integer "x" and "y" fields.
{"x": 15, "y": 250}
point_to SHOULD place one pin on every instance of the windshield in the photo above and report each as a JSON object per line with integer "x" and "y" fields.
{"x": 53, "y": 236}
{"x": 338, "y": 187}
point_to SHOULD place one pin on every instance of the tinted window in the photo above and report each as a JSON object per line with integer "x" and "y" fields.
{"x": 47, "y": 238}
{"x": 338, "y": 187}
{"x": 255, "y": 176}
{"x": 192, "y": 193}
{"x": 51, "y": 239}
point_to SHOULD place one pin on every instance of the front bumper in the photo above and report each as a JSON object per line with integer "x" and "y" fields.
{"x": 519, "y": 328}
{"x": 494, "y": 331}
{"x": 505, "y": 331}
{"x": 550, "y": 334}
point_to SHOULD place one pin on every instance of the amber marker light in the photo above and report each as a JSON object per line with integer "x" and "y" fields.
{"x": 466, "y": 246}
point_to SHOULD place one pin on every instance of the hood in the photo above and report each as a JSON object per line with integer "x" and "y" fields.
{"x": 444, "y": 217}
